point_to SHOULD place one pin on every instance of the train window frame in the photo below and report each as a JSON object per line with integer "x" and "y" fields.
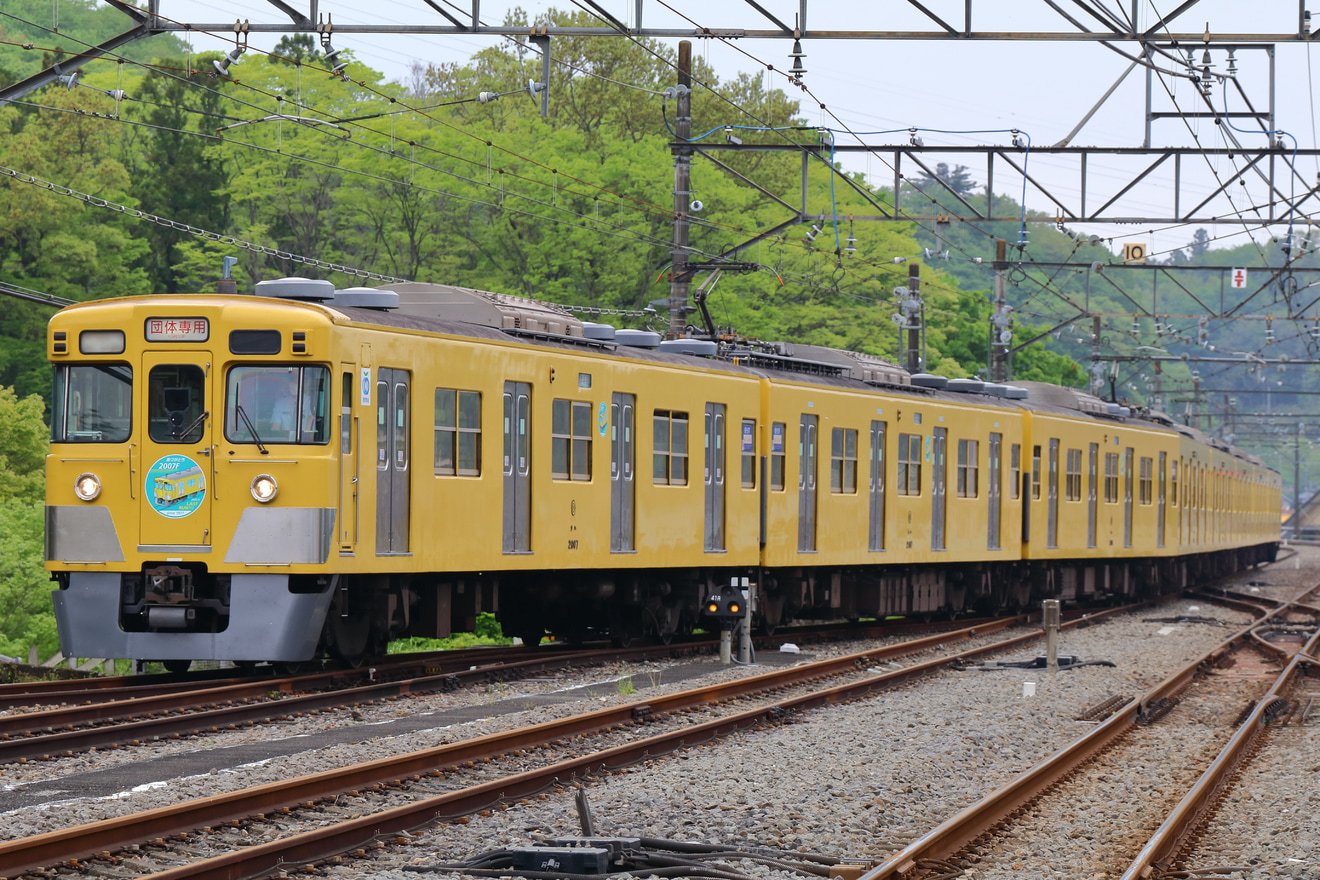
{"x": 669, "y": 463}
{"x": 1173, "y": 482}
{"x": 311, "y": 427}
{"x": 968, "y": 484}
{"x": 1072, "y": 482}
{"x": 778, "y": 456}
{"x": 748, "y": 453}
{"x": 69, "y": 395}
{"x": 457, "y": 436}
{"x": 570, "y": 440}
{"x": 843, "y": 464}
{"x": 909, "y": 464}
{"x": 1145, "y": 483}
{"x": 1111, "y": 478}
{"x": 183, "y": 420}
{"x": 1015, "y": 471}
{"x": 1035, "y": 473}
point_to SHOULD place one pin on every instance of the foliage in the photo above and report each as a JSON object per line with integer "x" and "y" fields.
{"x": 487, "y": 632}
{"x": 25, "y": 612}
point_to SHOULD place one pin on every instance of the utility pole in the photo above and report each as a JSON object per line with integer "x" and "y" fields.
{"x": 678, "y": 255}
{"x": 1000, "y": 336}
{"x": 914, "y": 364}
{"x": 1297, "y": 481}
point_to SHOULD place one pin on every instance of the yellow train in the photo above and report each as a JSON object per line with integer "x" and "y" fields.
{"x": 372, "y": 463}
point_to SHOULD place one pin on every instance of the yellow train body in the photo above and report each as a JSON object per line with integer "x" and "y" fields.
{"x": 310, "y": 475}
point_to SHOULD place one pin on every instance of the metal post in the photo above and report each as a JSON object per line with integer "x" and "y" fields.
{"x": 914, "y": 364}
{"x": 1297, "y": 482}
{"x": 1050, "y": 618}
{"x": 726, "y": 649}
{"x": 745, "y": 625}
{"x": 678, "y": 289}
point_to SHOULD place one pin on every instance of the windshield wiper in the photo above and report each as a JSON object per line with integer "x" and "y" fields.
{"x": 177, "y": 433}
{"x": 238, "y": 408}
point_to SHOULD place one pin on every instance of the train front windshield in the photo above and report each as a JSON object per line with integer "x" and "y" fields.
{"x": 278, "y": 404}
{"x": 93, "y": 403}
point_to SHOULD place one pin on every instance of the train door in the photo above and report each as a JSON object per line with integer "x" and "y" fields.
{"x": 876, "y": 539}
{"x": 1092, "y": 513}
{"x": 714, "y": 476}
{"x": 622, "y": 467}
{"x": 393, "y": 461}
{"x": 1127, "y": 498}
{"x": 1052, "y": 512}
{"x": 517, "y": 467}
{"x": 993, "y": 492}
{"x": 348, "y": 461}
{"x": 939, "y": 442}
{"x": 177, "y": 467}
{"x": 807, "y": 484}
{"x": 1160, "y": 511}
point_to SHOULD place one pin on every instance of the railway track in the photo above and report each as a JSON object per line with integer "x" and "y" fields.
{"x": 1078, "y": 811}
{"x": 391, "y": 795}
{"x": 132, "y": 710}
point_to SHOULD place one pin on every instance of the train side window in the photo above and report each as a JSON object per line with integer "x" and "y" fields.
{"x": 967, "y": 466}
{"x": 1145, "y": 489}
{"x": 1035, "y": 473}
{"x": 909, "y": 464}
{"x": 1073, "y": 475}
{"x": 457, "y": 432}
{"x": 843, "y": 461}
{"x": 1173, "y": 482}
{"x": 382, "y": 426}
{"x": 570, "y": 440}
{"x": 777, "y": 454}
{"x": 749, "y": 453}
{"x": 669, "y": 458}
{"x": 1111, "y": 478}
{"x": 1015, "y": 471}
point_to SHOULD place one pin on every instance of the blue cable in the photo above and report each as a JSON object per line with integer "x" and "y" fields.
{"x": 1292, "y": 166}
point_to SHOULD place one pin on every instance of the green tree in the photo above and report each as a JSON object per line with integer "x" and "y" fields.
{"x": 25, "y": 611}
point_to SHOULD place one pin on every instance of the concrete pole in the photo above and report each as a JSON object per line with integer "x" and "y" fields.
{"x": 1050, "y": 615}
{"x": 998, "y": 350}
{"x": 914, "y": 364}
{"x": 678, "y": 290}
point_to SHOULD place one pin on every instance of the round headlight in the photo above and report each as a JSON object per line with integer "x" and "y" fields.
{"x": 264, "y": 487}
{"x": 87, "y": 486}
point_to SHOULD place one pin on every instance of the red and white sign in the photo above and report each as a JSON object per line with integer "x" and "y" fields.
{"x": 178, "y": 329}
{"x": 1238, "y": 277}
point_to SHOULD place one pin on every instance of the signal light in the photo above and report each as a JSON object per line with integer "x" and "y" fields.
{"x": 726, "y": 604}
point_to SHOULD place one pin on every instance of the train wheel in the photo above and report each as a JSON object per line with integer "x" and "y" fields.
{"x": 348, "y": 637}
{"x": 176, "y": 666}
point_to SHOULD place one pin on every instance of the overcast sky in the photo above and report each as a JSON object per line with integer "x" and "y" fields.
{"x": 1042, "y": 88}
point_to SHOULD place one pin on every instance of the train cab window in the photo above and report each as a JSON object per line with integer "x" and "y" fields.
{"x": 843, "y": 461}
{"x": 1015, "y": 471}
{"x": 1035, "y": 473}
{"x": 570, "y": 440}
{"x": 1145, "y": 488}
{"x": 92, "y": 403}
{"x": 176, "y": 403}
{"x": 749, "y": 453}
{"x": 277, "y": 404}
{"x": 909, "y": 464}
{"x": 1072, "y": 483}
{"x": 967, "y": 460}
{"x": 457, "y": 433}
{"x": 669, "y": 448}
{"x": 777, "y": 454}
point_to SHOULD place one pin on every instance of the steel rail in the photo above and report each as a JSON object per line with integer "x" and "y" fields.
{"x": 27, "y": 854}
{"x": 1169, "y": 838}
{"x": 960, "y": 830}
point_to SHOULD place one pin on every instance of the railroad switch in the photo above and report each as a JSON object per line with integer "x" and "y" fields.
{"x": 562, "y": 859}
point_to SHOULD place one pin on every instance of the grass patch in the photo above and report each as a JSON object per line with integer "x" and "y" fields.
{"x": 488, "y": 632}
